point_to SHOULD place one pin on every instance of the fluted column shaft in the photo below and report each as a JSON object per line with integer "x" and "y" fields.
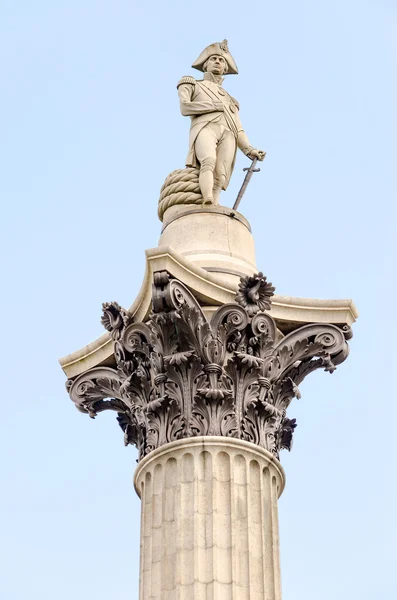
{"x": 209, "y": 525}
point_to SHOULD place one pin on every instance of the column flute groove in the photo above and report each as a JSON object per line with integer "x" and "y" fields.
{"x": 147, "y": 538}
{"x": 255, "y": 528}
{"x": 157, "y": 531}
{"x": 204, "y": 540}
{"x": 275, "y": 540}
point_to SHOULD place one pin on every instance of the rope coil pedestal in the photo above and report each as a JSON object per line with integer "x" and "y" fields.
{"x": 180, "y": 187}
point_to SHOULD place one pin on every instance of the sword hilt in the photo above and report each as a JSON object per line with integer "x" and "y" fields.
{"x": 253, "y": 164}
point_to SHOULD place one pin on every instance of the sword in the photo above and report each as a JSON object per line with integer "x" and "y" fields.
{"x": 250, "y": 170}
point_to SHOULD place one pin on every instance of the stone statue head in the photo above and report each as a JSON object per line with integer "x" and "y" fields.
{"x": 206, "y": 61}
{"x": 216, "y": 64}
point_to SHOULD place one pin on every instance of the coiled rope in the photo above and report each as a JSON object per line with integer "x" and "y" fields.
{"x": 180, "y": 187}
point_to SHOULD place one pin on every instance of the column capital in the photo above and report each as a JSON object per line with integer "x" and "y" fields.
{"x": 180, "y": 375}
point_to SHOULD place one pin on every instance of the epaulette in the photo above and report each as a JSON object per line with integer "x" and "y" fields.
{"x": 235, "y": 102}
{"x": 186, "y": 79}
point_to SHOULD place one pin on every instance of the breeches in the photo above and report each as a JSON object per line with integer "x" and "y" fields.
{"x": 215, "y": 148}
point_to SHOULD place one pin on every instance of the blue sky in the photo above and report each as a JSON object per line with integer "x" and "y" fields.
{"x": 90, "y": 127}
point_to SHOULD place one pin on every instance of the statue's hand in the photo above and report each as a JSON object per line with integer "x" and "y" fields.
{"x": 259, "y": 154}
{"x": 219, "y": 106}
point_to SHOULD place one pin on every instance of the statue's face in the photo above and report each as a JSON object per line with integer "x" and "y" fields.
{"x": 216, "y": 64}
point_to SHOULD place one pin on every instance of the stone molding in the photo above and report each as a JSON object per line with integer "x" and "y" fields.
{"x": 184, "y": 211}
{"x": 209, "y": 523}
{"x": 203, "y": 443}
{"x": 181, "y": 375}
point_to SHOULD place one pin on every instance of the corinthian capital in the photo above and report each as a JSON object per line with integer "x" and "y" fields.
{"x": 181, "y": 375}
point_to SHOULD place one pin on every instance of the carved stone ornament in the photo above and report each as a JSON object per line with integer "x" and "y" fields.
{"x": 180, "y": 375}
{"x": 255, "y": 293}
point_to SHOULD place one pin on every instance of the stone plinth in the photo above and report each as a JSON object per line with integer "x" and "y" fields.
{"x": 216, "y": 239}
{"x": 209, "y": 528}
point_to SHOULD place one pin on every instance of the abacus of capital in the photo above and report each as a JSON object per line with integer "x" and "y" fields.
{"x": 201, "y": 370}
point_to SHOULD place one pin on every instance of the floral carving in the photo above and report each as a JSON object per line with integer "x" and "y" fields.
{"x": 180, "y": 375}
{"x": 255, "y": 293}
{"x": 115, "y": 318}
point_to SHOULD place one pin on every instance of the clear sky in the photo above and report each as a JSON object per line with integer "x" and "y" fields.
{"x": 90, "y": 127}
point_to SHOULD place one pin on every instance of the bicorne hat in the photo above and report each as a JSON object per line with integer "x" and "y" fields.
{"x": 221, "y": 49}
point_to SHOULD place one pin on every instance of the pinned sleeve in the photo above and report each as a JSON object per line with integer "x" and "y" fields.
{"x": 191, "y": 105}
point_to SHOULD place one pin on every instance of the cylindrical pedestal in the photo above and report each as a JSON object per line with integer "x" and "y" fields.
{"x": 209, "y": 526}
{"x": 213, "y": 239}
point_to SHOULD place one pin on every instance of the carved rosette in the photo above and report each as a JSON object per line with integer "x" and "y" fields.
{"x": 180, "y": 375}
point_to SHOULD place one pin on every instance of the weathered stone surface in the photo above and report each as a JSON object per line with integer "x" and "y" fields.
{"x": 181, "y": 375}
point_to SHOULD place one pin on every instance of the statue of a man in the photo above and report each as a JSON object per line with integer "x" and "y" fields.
{"x": 216, "y": 129}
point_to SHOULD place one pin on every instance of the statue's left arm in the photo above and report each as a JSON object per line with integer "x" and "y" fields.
{"x": 244, "y": 144}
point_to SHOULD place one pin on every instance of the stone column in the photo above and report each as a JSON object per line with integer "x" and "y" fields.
{"x": 205, "y": 402}
{"x": 209, "y": 526}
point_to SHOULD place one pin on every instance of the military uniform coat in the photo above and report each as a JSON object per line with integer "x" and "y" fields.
{"x": 198, "y": 100}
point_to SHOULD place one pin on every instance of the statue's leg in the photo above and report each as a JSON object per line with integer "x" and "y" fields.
{"x": 216, "y": 192}
{"x": 224, "y": 161}
{"x": 205, "y": 147}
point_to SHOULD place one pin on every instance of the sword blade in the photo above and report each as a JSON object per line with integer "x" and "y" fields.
{"x": 246, "y": 181}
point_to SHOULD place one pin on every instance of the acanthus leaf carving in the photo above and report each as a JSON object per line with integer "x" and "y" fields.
{"x": 286, "y": 433}
{"x": 181, "y": 387}
{"x": 89, "y": 391}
